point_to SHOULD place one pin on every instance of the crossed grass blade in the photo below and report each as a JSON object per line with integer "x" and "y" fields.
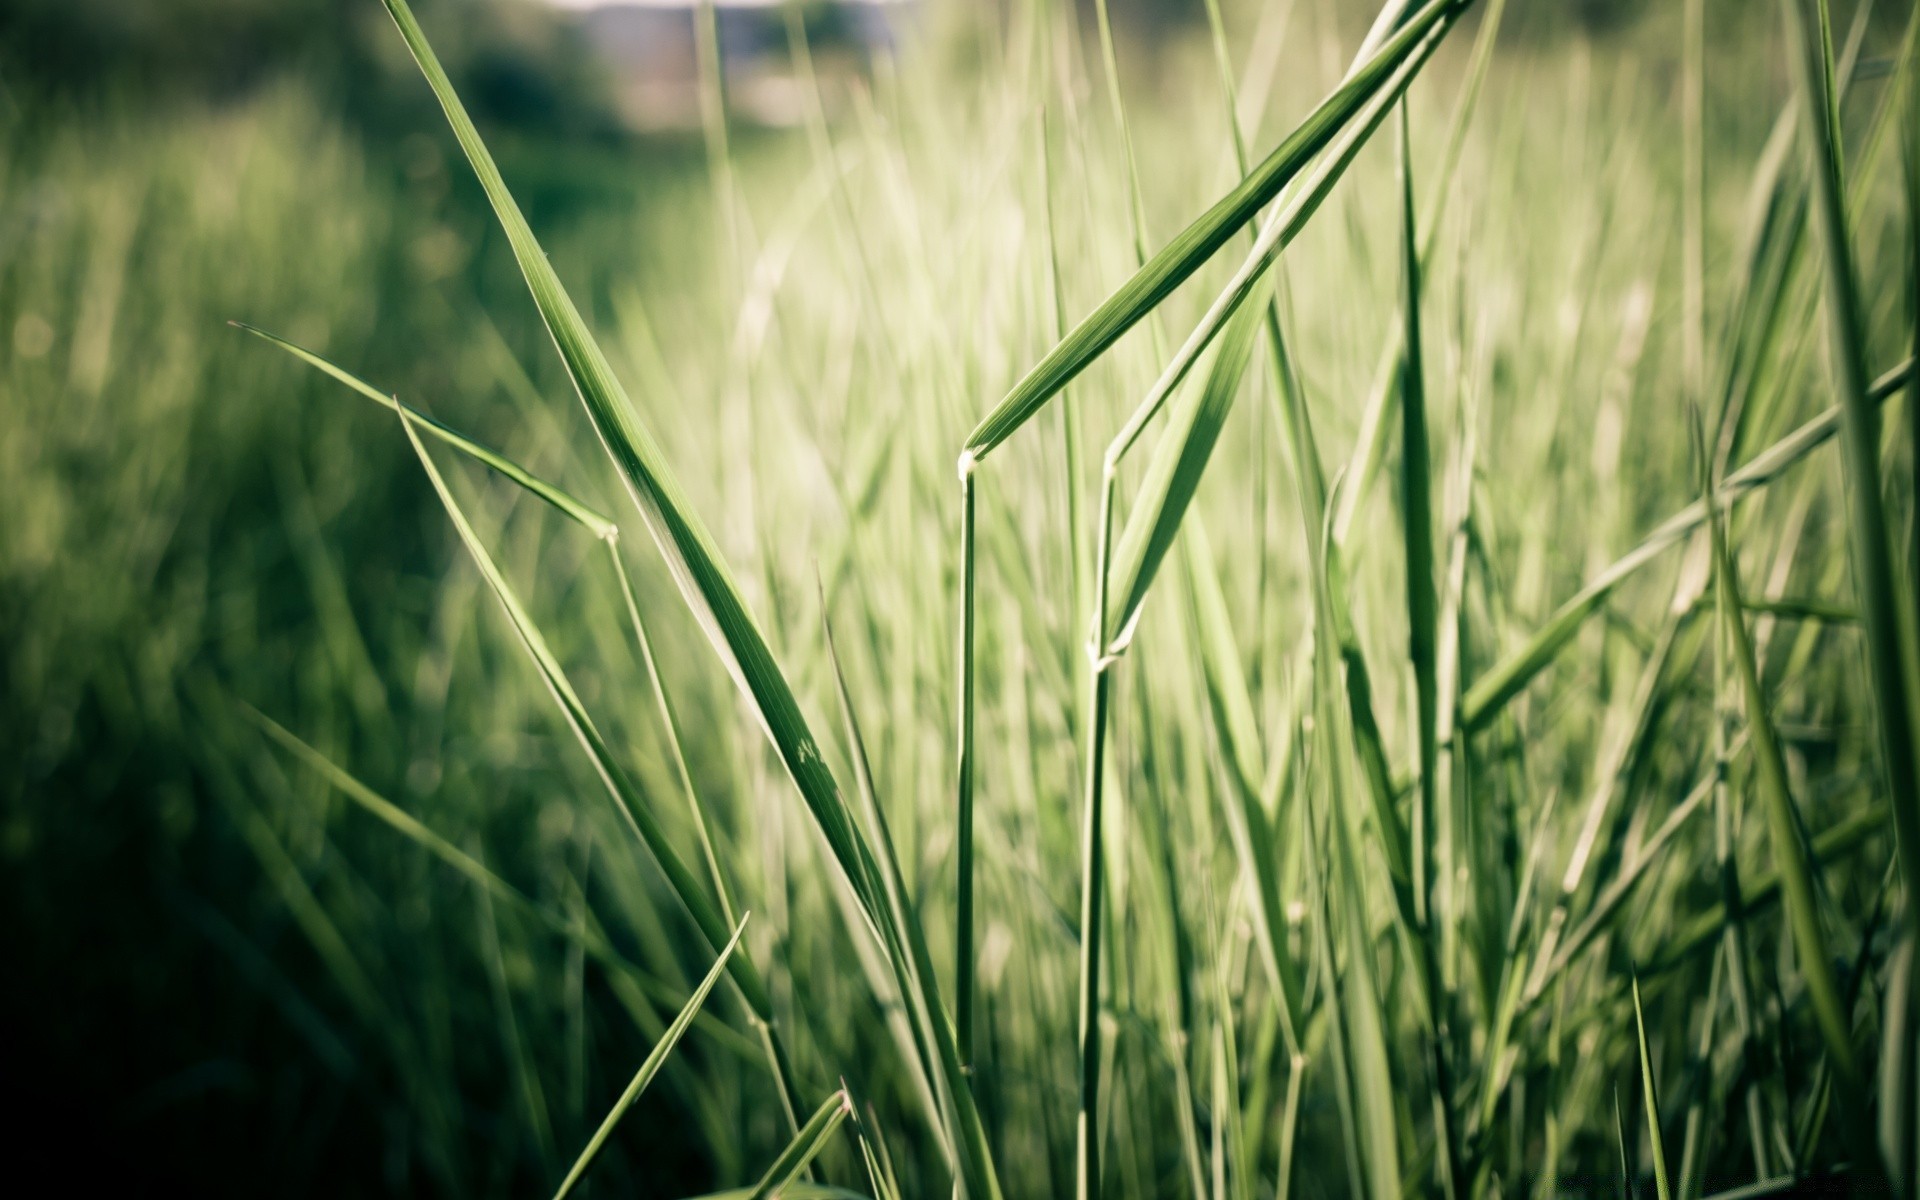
{"x": 655, "y": 1059}
{"x": 704, "y": 580}
{"x": 579, "y": 510}
{"x": 805, "y": 1146}
{"x": 1167, "y": 269}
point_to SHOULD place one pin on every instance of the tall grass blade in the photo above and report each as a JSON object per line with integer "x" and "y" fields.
{"x": 1876, "y": 581}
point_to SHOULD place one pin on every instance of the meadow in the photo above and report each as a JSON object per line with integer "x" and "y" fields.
{"x": 1308, "y": 603}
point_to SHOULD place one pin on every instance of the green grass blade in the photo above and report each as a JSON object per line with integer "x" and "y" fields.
{"x": 656, "y": 1058}
{"x": 600, "y": 526}
{"x": 1197, "y": 243}
{"x": 811, "y": 1139}
{"x": 704, "y": 580}
{"x": 1416, "y": 507}
{"x": 1875, "y": 579}
{"x": 1247, "y": 819}
{"x": 1174, "y": 473}
{"x": 1783, "y": 826}
{"x": 625, "y": 795}
{"x": 1652, "y": 1098}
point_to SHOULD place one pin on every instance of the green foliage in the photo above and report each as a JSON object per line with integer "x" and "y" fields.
{"x": 377, "y": 774}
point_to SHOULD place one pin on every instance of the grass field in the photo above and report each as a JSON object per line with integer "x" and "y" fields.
{"x": 1412, "y": 691}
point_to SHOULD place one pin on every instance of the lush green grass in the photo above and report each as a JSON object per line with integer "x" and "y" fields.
{"x": 1365, "y": 727}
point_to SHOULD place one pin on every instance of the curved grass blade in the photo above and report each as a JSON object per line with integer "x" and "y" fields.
{"x": 811, "y": 1139}
{"x": 596, "y": 524}
{"x": 1501, "y": 683}
{"x": 1197, "y": 243}
{"x": 656, "y": 1058}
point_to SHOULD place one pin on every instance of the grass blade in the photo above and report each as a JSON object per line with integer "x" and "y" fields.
{"x": 655, "y": 1059}
{"x": 704, "y": 580}
{"x": 1790, "y": 858}
{"x": 1197, "y": 243}
{"x": 811, "y": 1139}
{"x": 596, "y": 524}
{"x": 1875, "y": 579}
{"x": 1174, "y": 473}
{"x": 1652, "y": 1098}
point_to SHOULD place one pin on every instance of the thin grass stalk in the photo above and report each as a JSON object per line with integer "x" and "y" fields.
{"x": 1087, "y": 1129}
{"x": 963, "y": 964}
{"x": 1652, "y": 1094}
{"x": 670, "y": 724}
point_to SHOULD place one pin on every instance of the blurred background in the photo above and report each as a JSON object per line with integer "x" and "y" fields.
{"x": 207, "y": 962}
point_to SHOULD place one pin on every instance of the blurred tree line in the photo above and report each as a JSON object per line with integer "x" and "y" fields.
{"x": 519, "y": 65}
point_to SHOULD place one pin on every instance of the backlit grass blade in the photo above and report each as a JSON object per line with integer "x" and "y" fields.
{"x": 1652, "y": 1094}
{"x": 656, "y": 1058}
{"x": 1198, "y": 242}
{"x": 1502, "y": 682}
{"x": 1247, "y": 819}
{"x": 579, "y": 510}
{"x": 806, "y": 1144}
